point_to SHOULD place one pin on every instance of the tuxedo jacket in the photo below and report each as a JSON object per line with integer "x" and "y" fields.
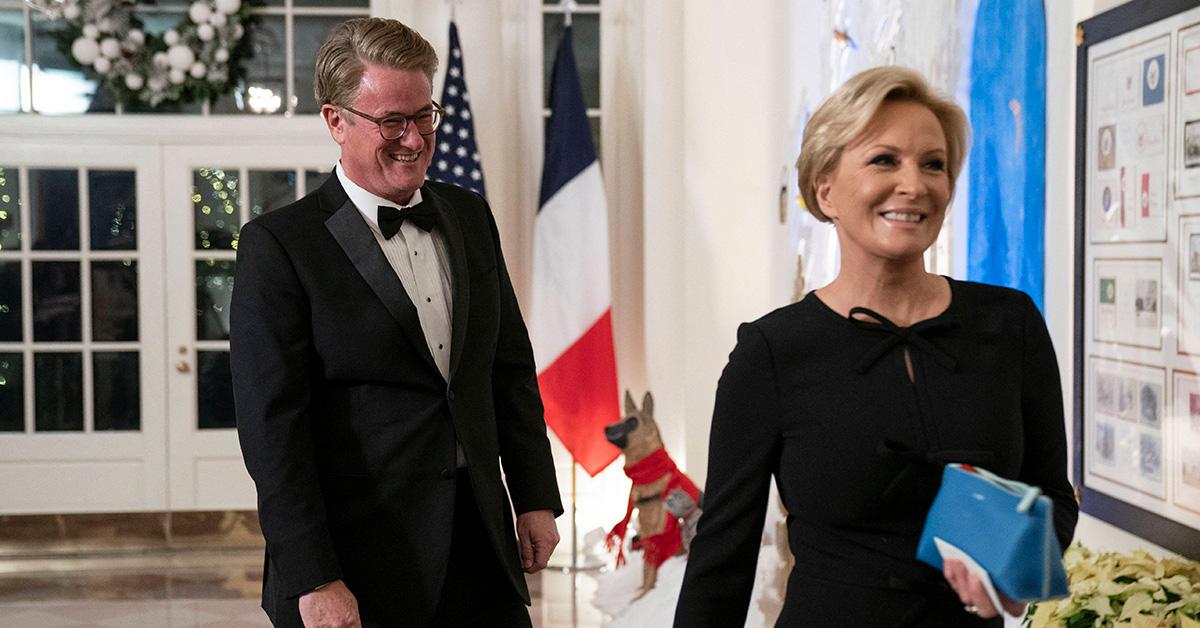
{"x": 346, "y": 425}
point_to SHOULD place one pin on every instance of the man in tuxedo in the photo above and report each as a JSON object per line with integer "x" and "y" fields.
{"x": 382, "y": 372}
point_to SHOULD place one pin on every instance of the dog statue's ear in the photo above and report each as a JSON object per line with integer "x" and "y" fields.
{"x": 630, "y": 408}
{"x": 648, "y": 404}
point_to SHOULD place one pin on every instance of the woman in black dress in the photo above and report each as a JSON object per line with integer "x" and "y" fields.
{"x": 855, "y": 397}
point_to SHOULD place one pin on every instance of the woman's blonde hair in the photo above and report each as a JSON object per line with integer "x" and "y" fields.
{"x": 848, "y": 111}
{"x": 359, "y": 41}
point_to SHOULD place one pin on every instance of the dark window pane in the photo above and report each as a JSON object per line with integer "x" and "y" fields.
{"x": 59, "y": 86}
{"x": 214, "y": 288}
{"x": 113, "y": 195}
{"x": 115, "y": 301}
{"x": 12, "y": 60}
{"x": 10, "y": 302}
{"x": 586, "y": 35}
{"x": 262, "y": 89}
{"x": 54, "y": 209}
{"x": 56, "y": 301}
{"x": 117, "y": 393}
{"x": 313, "y": 180}
{"x": 10, "y": 209}
{"x": 12, "y": 393}
{"x": 215, "y": 390}
{"x": 215, "y": 202}
{"x": 311, "y": 32}
{"x": 271, "y": 189}
{"x": 58, "y": 392}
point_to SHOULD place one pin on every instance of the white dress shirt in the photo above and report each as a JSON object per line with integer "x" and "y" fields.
{"x": 422, "y": 263}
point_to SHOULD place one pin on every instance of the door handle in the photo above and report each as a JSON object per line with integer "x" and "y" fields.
{"x": 183, "y": 367}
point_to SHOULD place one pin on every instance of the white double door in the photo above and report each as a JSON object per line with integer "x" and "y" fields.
{"x": 116, "y": 269}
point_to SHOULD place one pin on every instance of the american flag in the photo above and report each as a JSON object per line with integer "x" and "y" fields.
{"x": 457, "y": 158}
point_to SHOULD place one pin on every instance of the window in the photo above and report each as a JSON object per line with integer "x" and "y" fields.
{"x": 35, "y": 77}
{"x": 585, "y": 23}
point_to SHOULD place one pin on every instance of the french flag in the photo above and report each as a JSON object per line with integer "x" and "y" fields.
{"x": 570, "y": 321}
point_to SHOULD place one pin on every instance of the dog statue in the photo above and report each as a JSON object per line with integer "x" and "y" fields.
{"x": 667, "y": 501}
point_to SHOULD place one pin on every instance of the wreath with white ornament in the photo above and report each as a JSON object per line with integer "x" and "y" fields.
{"x": 200, "y": 59}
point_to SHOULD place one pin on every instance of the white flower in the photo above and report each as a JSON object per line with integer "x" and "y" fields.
{"x": 90, "y": 31}
{"x": 160, "y": 60}
{"x": 171, "y": 37}
{"x": 199, "y": 12}
{"x": 180, "y": 58}
{"x": 110, "y": 47}
{"x": 105, "y": 25}
{"x": 85, "y": 50}
{"x": 137, "y": 37}
{"x": 238, "y": 31}
{"x": 156, "y": 84}
{"x": 229, "y": 7}
{"x": 218, "y": 19}
{"x": 221, "y": 55}
{"x": 102, "y": 65}
{"x": 176, "y": 76}
{"x": 205, "y": 32}
{"x": 198, "y": 70}
{"x": 134, "y": 81}
{"x": 71, "y": 11}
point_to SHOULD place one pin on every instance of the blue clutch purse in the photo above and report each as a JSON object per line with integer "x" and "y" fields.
{"x": 1005, "y": 526}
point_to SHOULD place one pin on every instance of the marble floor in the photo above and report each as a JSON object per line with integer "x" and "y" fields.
{"x": 196, "y": 588}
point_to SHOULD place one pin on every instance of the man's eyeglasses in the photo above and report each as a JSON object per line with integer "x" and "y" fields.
{"x": 393, "y": 127}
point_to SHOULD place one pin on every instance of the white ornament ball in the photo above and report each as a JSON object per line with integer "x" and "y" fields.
{"x": 228, "y": 7}
{"x": 156, "y": 84}
{"x": 176, "y": 76}
{"x": 199, "y": 12}
{"x": 110, "y": 47}
{"x": 90, "y": 31}
{"x": 198, "y": 70}
{"x": 160, "y": 60}
{"x": 171, "y": 37}
{"x": 134, "y": 81}
{"x": 137, "y": 37}
{"x": 180, "y": 58}
{"x": 221, "y": 55}
{"x": 205, "y": 32}
{"x": 72, "y": 11}
{"x": 218, "y": 19}
{"x": 102, "y": 65}
{"x": 85, "y": 50}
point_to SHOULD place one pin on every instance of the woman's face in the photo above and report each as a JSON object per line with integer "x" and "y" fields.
{"x": 889, "y": 191}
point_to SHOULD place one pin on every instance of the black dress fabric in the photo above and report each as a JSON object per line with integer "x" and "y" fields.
{"x": 825, "y": 404}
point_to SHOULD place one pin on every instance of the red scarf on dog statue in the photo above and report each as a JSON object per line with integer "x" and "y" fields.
{"x": 656, "y": 548}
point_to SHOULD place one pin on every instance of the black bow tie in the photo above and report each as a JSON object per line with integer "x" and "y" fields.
{"x": 390, "y": 218}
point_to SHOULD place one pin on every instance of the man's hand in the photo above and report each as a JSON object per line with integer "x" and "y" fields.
{"x": 538, "y": 535}
{"x": 331, "y": 606}
{"x": 970, "y": 590}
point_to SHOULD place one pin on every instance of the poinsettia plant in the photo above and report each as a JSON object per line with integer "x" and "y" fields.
{"x": 1110, "y": 589}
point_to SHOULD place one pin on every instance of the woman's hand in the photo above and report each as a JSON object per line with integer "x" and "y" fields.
{"x": 970, "y": 590}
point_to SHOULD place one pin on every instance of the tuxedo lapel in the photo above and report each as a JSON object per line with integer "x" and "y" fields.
{"x": 452, "y": 231}
{"x": 350, "y": 230}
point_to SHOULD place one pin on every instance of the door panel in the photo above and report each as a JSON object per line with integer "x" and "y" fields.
{"x": 82, "y": 406}
{"x": 210, "y": 192}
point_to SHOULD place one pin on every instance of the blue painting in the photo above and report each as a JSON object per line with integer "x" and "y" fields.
{"x": 1153, "y": 76}
{"x": 1007, "y": 182}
